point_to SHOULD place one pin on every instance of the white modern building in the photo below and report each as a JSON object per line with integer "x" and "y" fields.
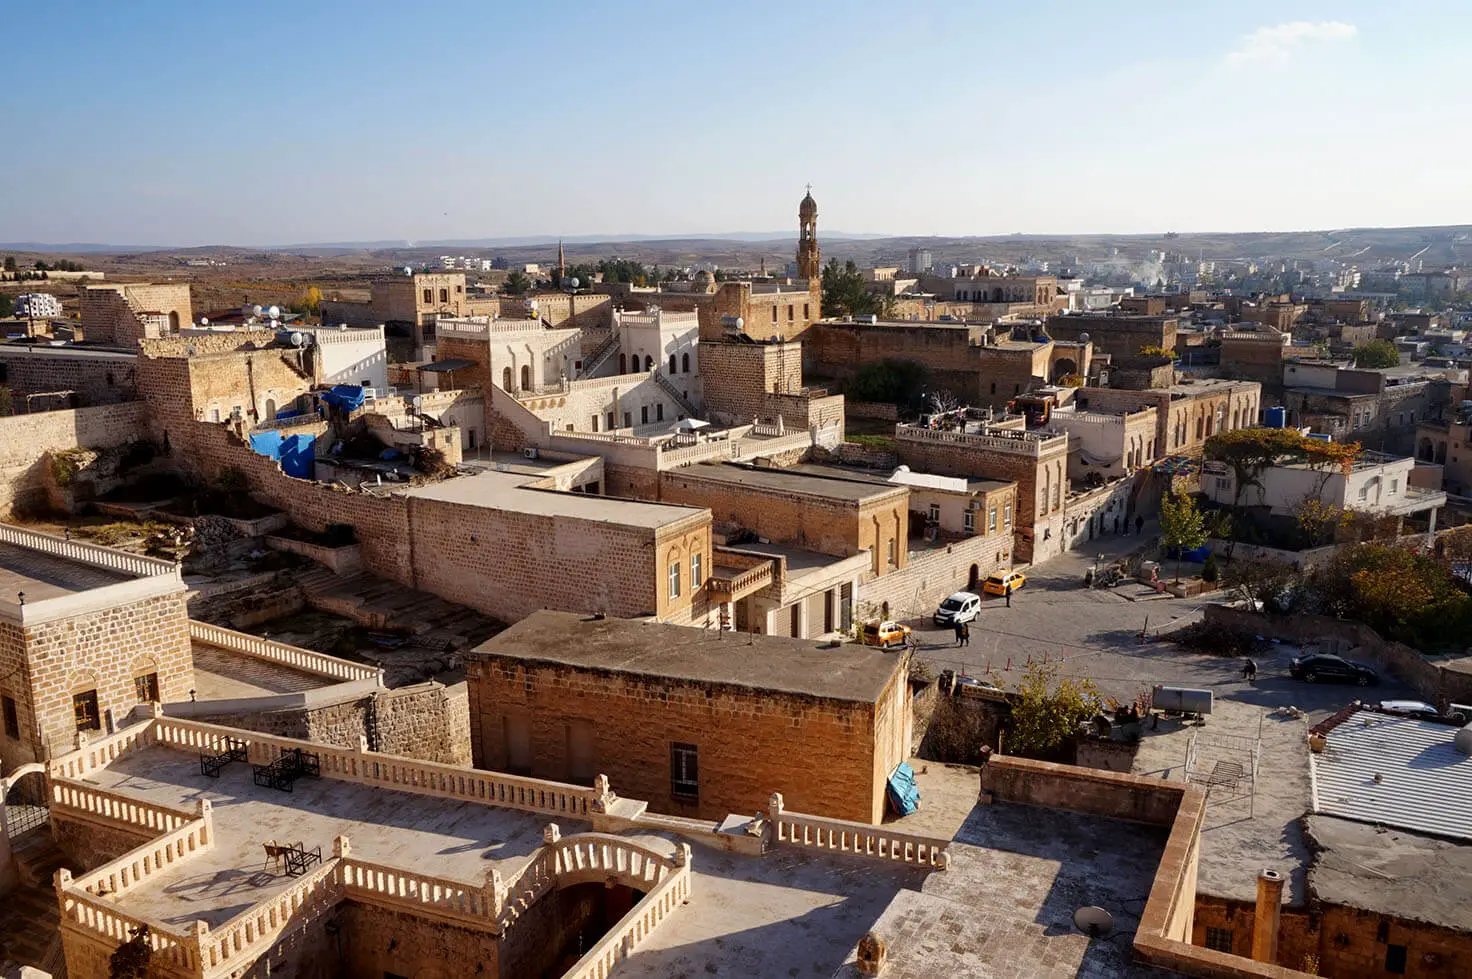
{"x": 1376, "y": 483}
{"x": 348, "y": 355}
{"x": 37, "y": 305}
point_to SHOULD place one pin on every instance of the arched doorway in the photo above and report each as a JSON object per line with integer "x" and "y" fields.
{"x": 1424, "y": 452}
{"x": 974, "y": 578}
{"x": 526, "y": 377}
{"x": 270, "y": 409}
{"x": 1063, "y": 367}
{"x": 506, "y": 378}
{"x": 673, "y": 364}
{"x": 623, "y": 363}
{"x": 24, "y": 807}
{"x": 174, "y": 321}
{"x": 648, "y": 362}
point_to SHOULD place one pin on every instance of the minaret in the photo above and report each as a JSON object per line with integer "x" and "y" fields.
{"x": 561, "y": 264}
{"x": 808, "y": 266}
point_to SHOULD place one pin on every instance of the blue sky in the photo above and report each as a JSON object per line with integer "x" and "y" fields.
{"x": 267, "y": 123}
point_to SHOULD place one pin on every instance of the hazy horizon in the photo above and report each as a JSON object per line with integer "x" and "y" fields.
{"x": 184, "y": 125}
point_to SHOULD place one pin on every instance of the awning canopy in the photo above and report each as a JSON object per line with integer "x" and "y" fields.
{"x": 446, "y": 366}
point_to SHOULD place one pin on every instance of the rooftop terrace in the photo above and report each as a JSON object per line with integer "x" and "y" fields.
{"x": 459, "y": 840}
{"x": 508, "y": 491}
{"x": 803, "y": 483}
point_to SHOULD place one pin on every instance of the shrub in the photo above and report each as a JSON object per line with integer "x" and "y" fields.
{"x": 1210, "y": 571}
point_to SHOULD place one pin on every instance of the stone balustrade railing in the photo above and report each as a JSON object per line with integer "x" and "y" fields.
{"x": 111, "y": 924}
{"x": 118, "y": 877}
{"x": 406, "y": 890}
{"x": 227, "y": 949}
{"x": 1022, "y": 443}
{"x": 305, "y": 660}
{"x": 859, "y": 839}
{"x": 534, "y": 879}
{"x": 92, "y": 554}
{"x": 631, "y": 931}
{"x": 146, "y": 817}
{"x": 313, "y": 417}
{"x": 395, "y": 772}
{"x": 102, "y": 752}
{"x": 745, "y": 582}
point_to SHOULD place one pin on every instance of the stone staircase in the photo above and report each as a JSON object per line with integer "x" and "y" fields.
{"x": 378, "y": 603}
{"x": 675, "y": 395}
{"x": 29, "y": 916}
{"x": 605, "y": 350}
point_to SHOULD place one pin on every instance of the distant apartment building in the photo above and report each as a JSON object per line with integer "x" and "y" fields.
{"x": 919, "y": 260}
{"x": 37, "y": 305}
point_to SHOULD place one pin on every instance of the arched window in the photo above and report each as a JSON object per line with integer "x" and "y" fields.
{"x": 428, "y": 296}
{"x": 526, "y": 377}
{"x": 648, "y": 362}
{"x": 672, "y": 363}
{"x": 623, "y": 363}
{"x": 506, "y": 378}
{"x": 685, "y": 363}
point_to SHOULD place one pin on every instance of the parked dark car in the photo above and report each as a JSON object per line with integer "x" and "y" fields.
{"x": 1332, "y": 669}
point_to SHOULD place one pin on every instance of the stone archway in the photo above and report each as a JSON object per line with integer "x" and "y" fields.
{"x": 1063, "y": 367}
{"x": 974, "y": 578}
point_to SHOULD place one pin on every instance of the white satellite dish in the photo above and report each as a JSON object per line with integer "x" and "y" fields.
{"x": 417, "y": 401}
{"x": 204, "y": 321}
{"x": 256, "y": 310}
{"x": 1094, "y": 922}
{"x": 274, "y": 312}
{"x": 298, "y": 339}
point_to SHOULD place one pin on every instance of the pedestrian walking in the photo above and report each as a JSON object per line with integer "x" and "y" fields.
{"x": 1009, "y": 596}
{"x": 1249, "y": 671}
{"x": 959, "y": 627}
{"x": 1116, "y": 524}
{"x": 965, "y": 635}
{"x": 1140, "y": 524}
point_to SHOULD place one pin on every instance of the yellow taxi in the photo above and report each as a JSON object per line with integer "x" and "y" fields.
{"x": 1004, "y": 582}
{"x": 886, "y": 634}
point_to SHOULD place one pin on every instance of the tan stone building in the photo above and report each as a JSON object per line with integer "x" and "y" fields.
{"x": 1119, "y": 335}
{"x": 86, "y": 634}
{"x": 1186, "y": 413}
{"x": 697, "y": 722}
{"x": 125, "y": 312}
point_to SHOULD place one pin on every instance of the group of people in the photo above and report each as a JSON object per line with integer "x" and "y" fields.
{"x": 963, "y": 634}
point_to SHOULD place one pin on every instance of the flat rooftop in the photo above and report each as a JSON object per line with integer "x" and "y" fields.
{"x": 790, "y": 481}
{"x": 220, "y": 674}
{"x": 827, "y": 471}
{"x": 796, "y": 666}
{"x": 1391, "y": 872}
{"x": 1395, "y": 771}
{"x": 462, "y": 841}
{"x": 1005, "y": 905}
{"x": 508, "y": 491}
{"x": 42, "y": 576}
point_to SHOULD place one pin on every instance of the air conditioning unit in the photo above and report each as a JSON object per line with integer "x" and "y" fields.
{"x": 530, "y": 452}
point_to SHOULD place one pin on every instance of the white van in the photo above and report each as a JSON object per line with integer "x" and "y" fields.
{"x": 958, "y": 608}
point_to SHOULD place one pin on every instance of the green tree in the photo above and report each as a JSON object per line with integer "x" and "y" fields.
{"x": 1048, "y": 711}
{"x": 1255, "y": 582}
{"x": 132, "y": 958}
{"x": 7, "y": 305}
{"x": 1182, "y": 526}
{"x": 845, "y": 292}
{"x": 1376, "y": 353}
{"x": 10, "y": 263}
{"x": 516, "y": 283}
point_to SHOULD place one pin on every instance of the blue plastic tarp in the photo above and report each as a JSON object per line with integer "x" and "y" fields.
{"x": 296, "y": 453}
{"x": 348, "y": 397}
{"x": 298, "y": 456}
{"x": 904, "y": 794}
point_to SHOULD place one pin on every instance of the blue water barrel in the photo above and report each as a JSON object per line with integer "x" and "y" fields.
{"x": 1275, "y": 417}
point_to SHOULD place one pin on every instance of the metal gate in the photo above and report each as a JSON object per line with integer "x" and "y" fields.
{"x": 25, "y": 803}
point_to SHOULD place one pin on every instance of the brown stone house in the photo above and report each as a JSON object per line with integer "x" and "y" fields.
{"x": 86, "y": 634}
{"x": 698, "y": 722}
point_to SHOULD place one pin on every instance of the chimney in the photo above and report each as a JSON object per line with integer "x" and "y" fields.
{"x": 1265, "y": 921}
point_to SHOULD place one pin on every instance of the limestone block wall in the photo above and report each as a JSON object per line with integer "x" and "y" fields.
{"x": 377, "y": 942}
{"x": 110, "y": 312}
{"x": 95, "y": 378}
{"x": 933, "y": 574}
{"x": 749, "y": 743}
{"x": 105, "y": 651}
{"x": 88, "y": 844}
{"x": 25, "y": 441}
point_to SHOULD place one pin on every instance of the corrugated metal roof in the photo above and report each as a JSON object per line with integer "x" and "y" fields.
{"x": 1425, "y": 783}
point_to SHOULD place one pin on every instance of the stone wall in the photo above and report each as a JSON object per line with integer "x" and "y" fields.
{"x": 90, "y": 843}
{"x": 428, "y": 721}
{"x": 1119, "y": 336}
{"x": 94, "y": 377}
{"x": 931, "y": 575}
{"x": 109, "y": 313}
{"x": 26, "y": 441}
{"x": 746, "y": 739}
{"x": 374, "y": 941}
{"x": 1441, "y": 684}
